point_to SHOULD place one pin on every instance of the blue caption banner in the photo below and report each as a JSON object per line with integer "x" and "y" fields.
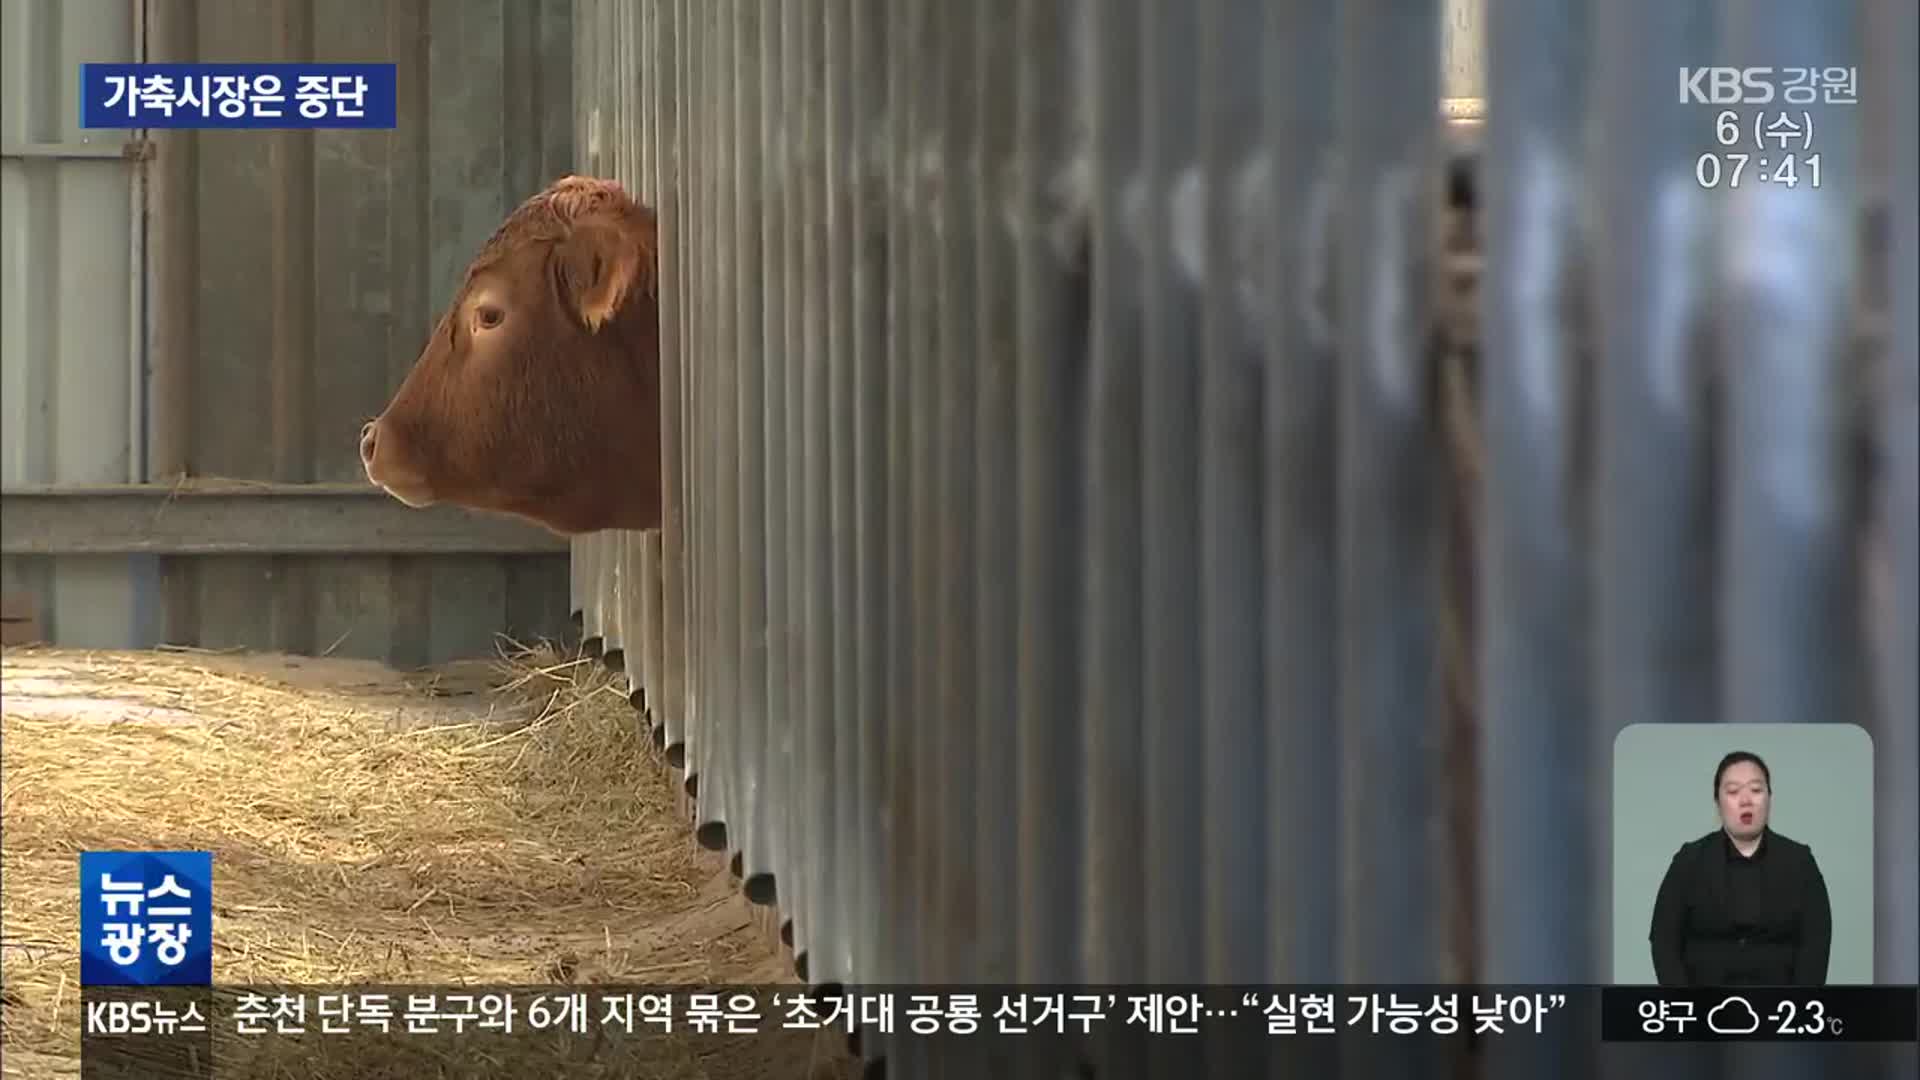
{"x": 146, "y": 918}
{"x": 238, "y": 96}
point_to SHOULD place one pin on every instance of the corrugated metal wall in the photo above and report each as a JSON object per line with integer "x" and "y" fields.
{"x": 70, "y": 314}
{"x": 1149, "y": 501}
{"x": 295, "y": 277}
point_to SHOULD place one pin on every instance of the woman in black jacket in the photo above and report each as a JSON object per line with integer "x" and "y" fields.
{"x": 1742, "y": 905}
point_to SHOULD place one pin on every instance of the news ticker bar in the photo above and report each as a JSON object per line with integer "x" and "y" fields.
{"x": 1838, "y": 1014}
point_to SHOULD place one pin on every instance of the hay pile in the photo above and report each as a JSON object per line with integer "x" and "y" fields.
{"x": 350, "y": 848}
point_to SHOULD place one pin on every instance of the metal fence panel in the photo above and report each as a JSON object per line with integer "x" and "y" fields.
{"x": 278, "y": 287}
{"x": 368, "y": 233}
{"x": 1191, "y": 491}
{"x": 72, "y": 339}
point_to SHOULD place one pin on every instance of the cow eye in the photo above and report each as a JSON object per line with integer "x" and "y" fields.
{"x": 490, "y": 317}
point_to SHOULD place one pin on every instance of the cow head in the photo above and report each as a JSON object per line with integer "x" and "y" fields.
{"x": 539, "y": 392}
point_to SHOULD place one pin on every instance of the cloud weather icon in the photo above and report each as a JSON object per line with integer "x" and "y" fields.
{"x": 1733, "y": 1017}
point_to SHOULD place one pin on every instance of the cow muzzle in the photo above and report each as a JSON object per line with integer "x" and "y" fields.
{"x": 402, "y": 483}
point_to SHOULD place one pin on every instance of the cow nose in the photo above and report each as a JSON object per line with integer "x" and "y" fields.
{"x": 366, "y": 444}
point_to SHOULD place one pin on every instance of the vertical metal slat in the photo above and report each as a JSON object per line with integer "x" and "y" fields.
{"x": 871, "y": 292}
{"x": 821, "y": 867}
{"x": 1891, "y": 81}
{"x": 1535, "y": 764}
{"x": 1176, "y": 949}
{"x": 1386, "y": 88}
{"x": 1050, "y": 376}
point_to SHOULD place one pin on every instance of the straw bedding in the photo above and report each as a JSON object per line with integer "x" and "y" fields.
{"x": 369, "y": 830}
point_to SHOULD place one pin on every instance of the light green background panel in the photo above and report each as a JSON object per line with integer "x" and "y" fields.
{"x": 1822, "y": 797}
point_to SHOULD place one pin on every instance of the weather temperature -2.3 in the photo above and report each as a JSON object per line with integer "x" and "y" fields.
{"x": 1772, "y": 1014}
{"x": 1786, "y": 1016}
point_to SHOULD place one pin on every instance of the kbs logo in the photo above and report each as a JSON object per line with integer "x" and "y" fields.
{"x": 1726, "y": 86}
{"x": 121, "y": 1018}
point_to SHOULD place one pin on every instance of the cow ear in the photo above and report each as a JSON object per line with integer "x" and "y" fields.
{"x": 598, "y": 264}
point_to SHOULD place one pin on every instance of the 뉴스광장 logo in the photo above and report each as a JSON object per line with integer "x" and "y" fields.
{"x": 146, "y": 918}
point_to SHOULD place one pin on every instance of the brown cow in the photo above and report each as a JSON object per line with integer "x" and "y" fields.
{"x": 539, "y": 392}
